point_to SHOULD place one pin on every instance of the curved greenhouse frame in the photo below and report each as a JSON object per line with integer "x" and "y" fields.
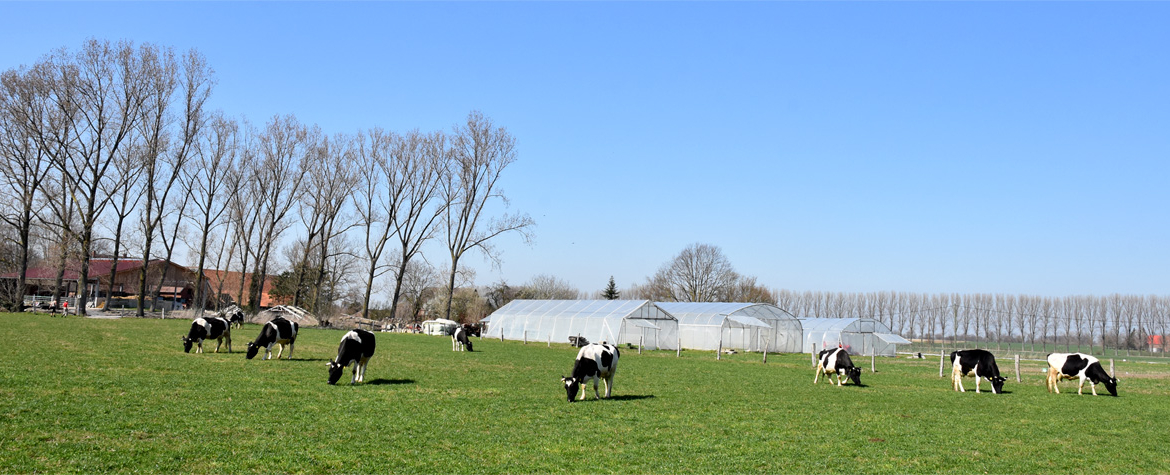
{"x": 859, "y": 336}
{"x": 742, "y": 326}
{"x": 613, "y": 321}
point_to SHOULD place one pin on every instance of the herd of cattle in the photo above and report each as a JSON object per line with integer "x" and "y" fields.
{"x": 597, "y": 362}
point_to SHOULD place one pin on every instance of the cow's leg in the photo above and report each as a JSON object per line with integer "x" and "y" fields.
{"x": 268, "y": 352}
{"x": 818, "y": 376}
{"x": 353, "y": 380}
{"x": 217, "y": 344}
{"x": 229, "y": 342}
{"x": 608, "y": 386}
{"x": 596, "y": 382}
{"x": 1093, "y": 387}
{"x": 291, "y": 345}
{"x": 1081, "y": 387}
{"x": 453, "y": 344}
{"x": 977, "y": 378}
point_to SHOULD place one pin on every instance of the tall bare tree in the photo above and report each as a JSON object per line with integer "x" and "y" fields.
{"x": 329, "y": 184}
{"x": 207, "y": 181}
{"x": 698, "y": 273}
{"x": 286, "y": 148}
{"x": 481, "y": 153}
{"x": 27, "y": 117}
{"x": 108, "y": 83}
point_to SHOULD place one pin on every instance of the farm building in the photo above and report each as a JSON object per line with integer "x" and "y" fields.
{"x": 859, "y": 336}
{"x": 741, "y": 326}
{"x": 439, "y": 326}
{"x": 613, "y": 321}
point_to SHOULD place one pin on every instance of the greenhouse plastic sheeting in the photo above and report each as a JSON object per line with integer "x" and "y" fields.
{"x": 858, "y": 336}
{"x": 743, "y": 326}
{"x": 613, "y": 321}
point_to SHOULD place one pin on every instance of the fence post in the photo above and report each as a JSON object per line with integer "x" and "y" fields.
{"x": 1112, "y": 374}
{"x": 550, "y": 339}
{"x": 525, "y": 337}
{"x": 501, "y": 335}
{"x": 766, "y": 342}
{"x": 719, "y": 352}
{"x": 940, "y": 363}
{"x": 640, "y": 339}
{"x": 812, "y": 357}
{"x": 678, "y": 352}
{"x": 1018, "y": 368}
{"x": 872, "y": 361}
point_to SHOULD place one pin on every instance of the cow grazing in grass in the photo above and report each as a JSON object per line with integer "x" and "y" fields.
{"x": 977, "y": 363}
{"x": 279, "y": 331}
{"x": 459, "y": 339}
{"x": 236, "y": 318}
{"x": 595, "y": 362}
{"x": 836, "y": 361}
{"x": 356, "y": 348}
{"x": 1078, "y": 366}
{"x": 210, "y": 328}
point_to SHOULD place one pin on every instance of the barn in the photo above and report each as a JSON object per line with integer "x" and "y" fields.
{"x": 741, "y": 326}
{"x": 613, "y": 321}
{"x": 859, "y": 336}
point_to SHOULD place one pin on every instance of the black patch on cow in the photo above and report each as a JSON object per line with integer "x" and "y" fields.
{"x": 1074, "y": 364}
{"x": 606, "y": 359}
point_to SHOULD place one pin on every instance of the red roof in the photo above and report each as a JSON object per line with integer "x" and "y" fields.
{"x": 98, "y": 267}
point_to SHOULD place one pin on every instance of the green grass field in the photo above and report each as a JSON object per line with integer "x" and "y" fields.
{"x": 97, "y": 396}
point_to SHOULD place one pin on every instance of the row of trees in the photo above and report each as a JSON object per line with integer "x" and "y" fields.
{"x": 112, "y": 149}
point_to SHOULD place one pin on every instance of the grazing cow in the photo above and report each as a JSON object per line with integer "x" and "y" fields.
{"x": 977, "y": 363}
{"x": 459, "y": 339}
{"x": 277, "y": 332}
{"x": 595, "y": 362}
{"x": 212, "y": 328}
{"x": 357, "y": 347}
{"x": 1078, "y": 365}
{"x": 836, "y": 361}
{"x": 236, "y": 318}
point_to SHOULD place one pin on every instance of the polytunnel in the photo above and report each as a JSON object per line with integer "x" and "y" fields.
{"x": 742, "y": 326}
{"x": 613, "y": 321}
{"x": 858, "y": 336}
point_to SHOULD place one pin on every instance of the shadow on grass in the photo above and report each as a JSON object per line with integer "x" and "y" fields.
{"x": 381, "y": 381}
{"x": 631, "y": 397}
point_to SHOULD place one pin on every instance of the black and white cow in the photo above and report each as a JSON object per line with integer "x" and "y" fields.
{"x": 595, "y": 361}
{"x": 279, "y": 331}
{"x": 459, "y": 339}
{"x": 356, "y": 348}
{"x": 836, "y": 361}
{"x": 977, "y": 363}
{"x": 1078, "y": 366}
{"x": 236, "y": 318}
{"x": 209, "y": 328}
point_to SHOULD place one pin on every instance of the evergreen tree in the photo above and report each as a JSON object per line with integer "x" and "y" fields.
{"x": 611, "y": 291}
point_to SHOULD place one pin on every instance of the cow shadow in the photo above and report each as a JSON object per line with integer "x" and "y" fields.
{"x": 382, "y": 381}
{"x": 631, "y": 397}
{"x": 310, "y": 359}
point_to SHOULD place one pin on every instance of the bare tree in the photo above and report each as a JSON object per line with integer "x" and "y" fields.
{"x": 481, "y": 154}
{"x": 328, "y": 186}
{"x": 27, "y": 119}
{"x": 286, "y": 148}
{"x": 547, "y": 287}
{"x": 107, "y": 83}
{"x": 207, "y": 180}
{"x": 699, "y": 273}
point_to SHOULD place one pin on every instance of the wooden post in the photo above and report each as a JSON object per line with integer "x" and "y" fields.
{"x": 1112, "y": 374}
{"x": 940, "y": 363}
{"x": 501, "y": 335}
{"x": 525, "y": 337}
{"x": 766, "y": 344}
{"x": 640, "y": 339}
{"x": 678, "y": 349}
{"x": 1018, "y": 368}
{"x": 872, "y": 361}
{"x": 550, "y": 339}
{"x": 719, "y": 352}
{"x": 812, "y": 357}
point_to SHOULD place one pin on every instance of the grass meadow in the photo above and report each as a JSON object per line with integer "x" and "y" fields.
{"x": 102, "y": 396}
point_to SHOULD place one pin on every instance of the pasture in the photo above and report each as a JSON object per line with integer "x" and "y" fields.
{"x": 88, "y": 395}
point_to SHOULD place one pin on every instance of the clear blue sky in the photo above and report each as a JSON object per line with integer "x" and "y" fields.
{"x": 845, "y": 146}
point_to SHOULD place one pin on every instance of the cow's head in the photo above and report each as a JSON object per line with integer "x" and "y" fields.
{"x": 997, "y": 384}
{"x": 334, "y": 371}
{"x": 468, "y": 344}
{"x": 854, "y": 375}
{"x": 571, "y": 387}
{"x": 1111, "y": 385}
{"x": 253, "y": 348}
{"x": 187, "y": 342}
